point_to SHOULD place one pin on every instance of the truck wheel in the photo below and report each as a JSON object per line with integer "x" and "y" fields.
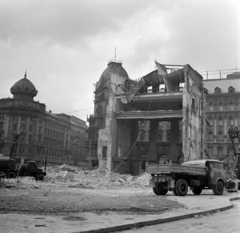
{"x": 155, "y": 190}
{"x": 40, "y": 177}
{"x": 174, "y": 192}
{"x": 11, "y": 175}
{"x": 181, "y": 187}
{"x": 2, "y": 175}
{"x": 218, "y": 188}
{"x": 197, "y": 190}
{"x": 160, "y": 189}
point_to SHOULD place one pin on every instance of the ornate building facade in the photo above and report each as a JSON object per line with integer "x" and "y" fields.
{"x": 157, "y": 118}
{"x": 223, "y": 112}
{"x": 58, "y": 137}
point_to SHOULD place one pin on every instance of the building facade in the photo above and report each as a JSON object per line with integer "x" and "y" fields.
{"x": 223, "y": 112}
{"x": 58, "y": 137}
{"x": 157, "y": 118}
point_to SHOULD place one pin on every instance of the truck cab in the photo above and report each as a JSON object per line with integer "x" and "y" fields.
{"x": 214, "y": 170}
{"x": 31, "y": 169}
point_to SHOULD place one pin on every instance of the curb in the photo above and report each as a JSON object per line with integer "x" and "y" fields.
{"x": 158, "y": 221}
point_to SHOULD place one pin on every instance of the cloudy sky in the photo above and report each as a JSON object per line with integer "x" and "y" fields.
{"x": 65, "y": 45}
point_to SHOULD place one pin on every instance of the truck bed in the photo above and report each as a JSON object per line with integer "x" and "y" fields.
{"x": 164, "y": 169}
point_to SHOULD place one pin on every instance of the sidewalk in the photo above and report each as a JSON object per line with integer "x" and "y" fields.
{"x": 112, "y": 222}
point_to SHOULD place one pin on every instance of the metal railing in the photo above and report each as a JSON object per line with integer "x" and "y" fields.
{"x": 218, "y": 74}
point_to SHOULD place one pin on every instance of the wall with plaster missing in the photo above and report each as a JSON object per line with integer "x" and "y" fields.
{"x": 107, "y": 136}
{"x": 124, "y": 145}
{"x": 193, "y": 116}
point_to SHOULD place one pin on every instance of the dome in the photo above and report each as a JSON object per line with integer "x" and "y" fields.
{"x": 23, "y": 89}
{"x": 114, "y": 67}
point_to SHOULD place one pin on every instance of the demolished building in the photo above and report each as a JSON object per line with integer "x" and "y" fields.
{"x": 158, "y": 118}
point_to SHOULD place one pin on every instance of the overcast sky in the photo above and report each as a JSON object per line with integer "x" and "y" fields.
{"x": 65, "y": 45}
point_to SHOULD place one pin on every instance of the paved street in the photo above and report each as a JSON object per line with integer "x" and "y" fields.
{"x": 221, "y": 222}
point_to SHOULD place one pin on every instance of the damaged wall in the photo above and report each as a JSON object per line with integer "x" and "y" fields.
{"x": 119, "y": 148}
{"x": 193, "y": 116}
{"x": 107, "y": 136}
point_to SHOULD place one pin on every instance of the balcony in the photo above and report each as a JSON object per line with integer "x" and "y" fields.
{"x": 94, "y": 117}
{"x": 157, "y": 114}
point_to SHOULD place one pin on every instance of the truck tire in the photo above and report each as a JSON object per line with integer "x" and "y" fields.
{"x": 11, "y": 175}
{"x": 40, "y": 177}
{"x": 155, "y": 191}
{"x": 161, "y": 189}
{"x": 197, "y": 190}
{"x": 174, "y": 192}
{"x": 218, "y": 188}
{"x": 2, "y": 174}
{"x": 181, "y": 187}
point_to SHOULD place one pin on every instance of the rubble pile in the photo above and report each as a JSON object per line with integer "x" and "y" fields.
{"x": 98, "y": 178}
{"x": 77, "y": 177}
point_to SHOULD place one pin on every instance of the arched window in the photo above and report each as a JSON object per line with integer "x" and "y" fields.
{"x": 217, "y": 90}
{"x": 225, "y": 106}
{"x": 231, "y": 105}
{"x": 220, "y": 120}
{"x": 210, "y": 106}
{"x": 215, "y": 108}
{"x": 236, "y": 106}
{"x": 220, "y": 128}
{"x": 220, "y": 106}
{"x": 160, "y": 136}
{"x": 230, "y": 121}
{"x": 231, "y": 89}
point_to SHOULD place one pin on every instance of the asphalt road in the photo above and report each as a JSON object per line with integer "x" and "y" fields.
{"x": 221, "y": 222}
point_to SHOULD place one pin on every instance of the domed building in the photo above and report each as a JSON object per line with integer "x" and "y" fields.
{"x": 58, "y": 137}
{"x": 23, "y": 89}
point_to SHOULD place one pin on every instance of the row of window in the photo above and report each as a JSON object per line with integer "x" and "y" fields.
{"x": 54, "y": 134}
{"x": 54, "y": 153}
{"x": 53, "y": 143}
{"x": 163, "y": 134}
{"x": 220, "y": 121}
{"x": 218, "y": 137}
{"x": 78, "y": 129}
{"x": 55, "y": 125}
{"x": 220, "y": 107}
{"x": 218, "y": 90}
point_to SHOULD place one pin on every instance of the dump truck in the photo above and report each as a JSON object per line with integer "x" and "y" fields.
{"x": 8, "y": 169}
{"x": 196, "y": 174}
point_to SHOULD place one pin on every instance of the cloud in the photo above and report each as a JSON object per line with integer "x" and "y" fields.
{"x": 65, "y": 45}
{"x": 63, "y": 22}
